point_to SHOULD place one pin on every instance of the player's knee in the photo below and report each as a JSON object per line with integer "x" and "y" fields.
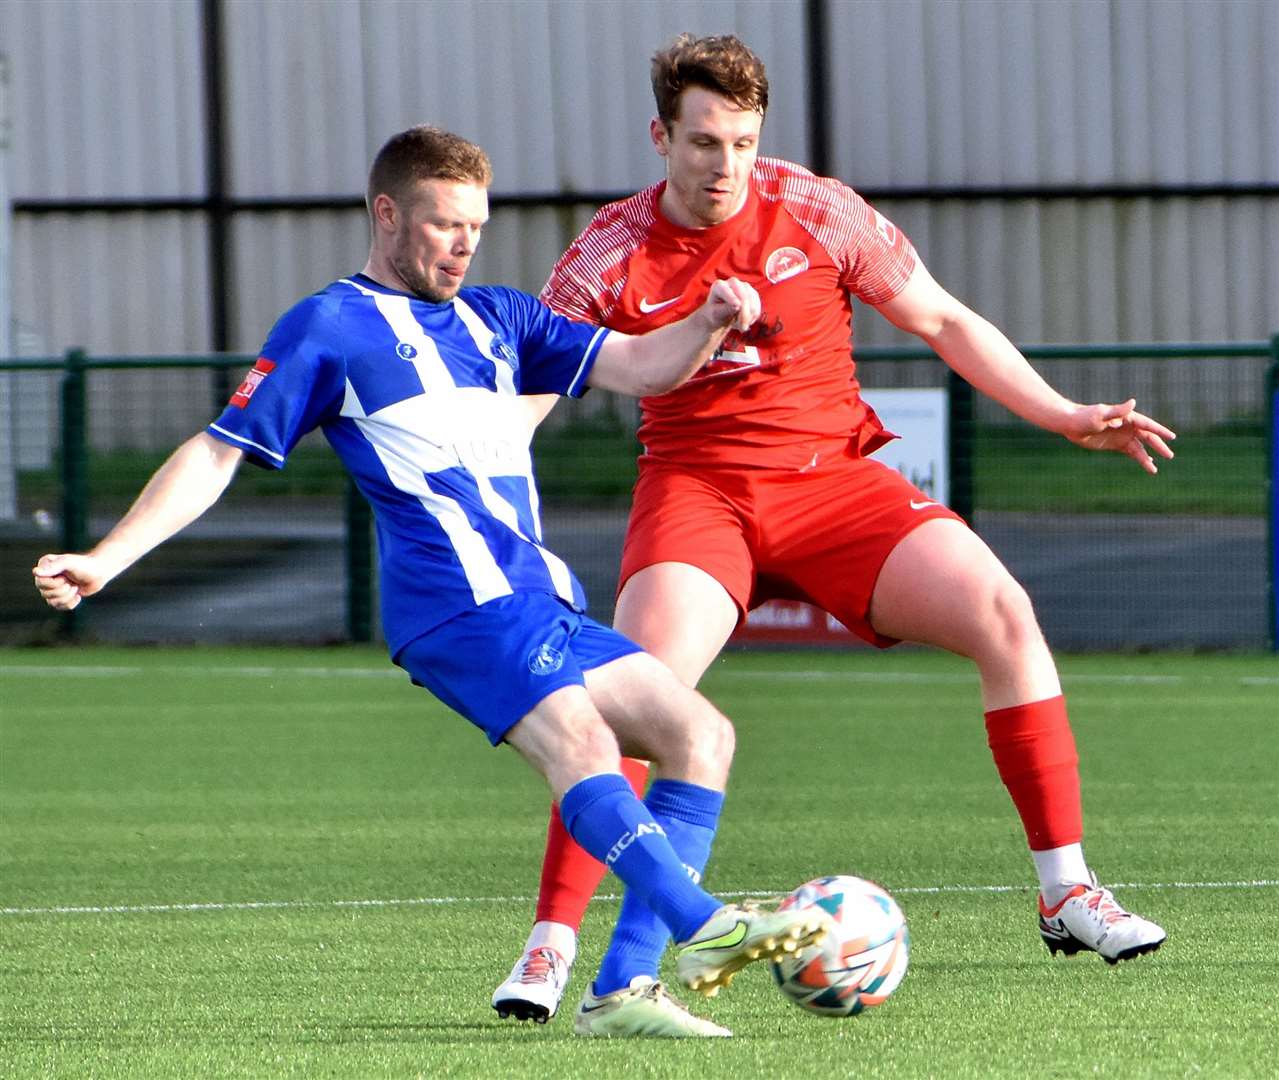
{"x": 566, "y": 741}
{"x": 709, "y": 742}
{"x": 714, "y": 739}
{"x": 1011, "y": 624}
{"x": 593, "y": 743}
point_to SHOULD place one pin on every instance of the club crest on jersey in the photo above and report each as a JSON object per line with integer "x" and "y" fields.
{"x": 545, "y": 660}
{"x": 785, "y": 263}
{"x": 405, "y": 351}
{"x": 252, "y": 381}
{"x": 502, "y": 351}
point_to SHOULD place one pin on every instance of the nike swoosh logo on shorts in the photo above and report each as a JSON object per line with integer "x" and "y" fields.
{"x": 915, "y": 504}
{"x": 648, "y": 308}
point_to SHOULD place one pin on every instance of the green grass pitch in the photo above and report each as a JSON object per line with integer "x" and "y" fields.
{"x": 288, "y": 863}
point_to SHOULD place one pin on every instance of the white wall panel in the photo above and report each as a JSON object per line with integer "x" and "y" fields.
{"x": 121, "y": 284}
{"x": 278, "y": 258}
{"x": 106, "y": 98}
{"x": 989, "y": 92}
{"x": 1100, "y": 269}
{"x": 879, "y": 109}
{"x": 294, "y": 97}
{"x": 603, "y": 98}
{"x": 481, "y": 69}
{"x": 117, "y": 283}
{"x": 557, "y": 91}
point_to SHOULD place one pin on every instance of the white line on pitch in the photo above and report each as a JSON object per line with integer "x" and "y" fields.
{"x": 389, "y": 672}
{"x": 441, "y": 901}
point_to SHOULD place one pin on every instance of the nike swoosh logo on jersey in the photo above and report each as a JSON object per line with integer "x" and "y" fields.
{"x": 915, "y": 504}
{"x": 648, "y": 308}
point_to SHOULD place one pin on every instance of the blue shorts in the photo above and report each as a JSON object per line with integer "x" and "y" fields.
{"x": 494, "y": 664}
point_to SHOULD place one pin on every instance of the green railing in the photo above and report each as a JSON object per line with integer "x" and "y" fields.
{"x": 73, "y": 449}
{"x": 75, "y": 365}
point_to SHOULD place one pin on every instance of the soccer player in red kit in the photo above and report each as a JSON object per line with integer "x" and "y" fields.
{"x": 756, "y": 482}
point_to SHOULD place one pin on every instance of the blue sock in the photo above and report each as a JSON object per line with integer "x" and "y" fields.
{"x": 603, "y": 815}
{"x": 690, "y": 814}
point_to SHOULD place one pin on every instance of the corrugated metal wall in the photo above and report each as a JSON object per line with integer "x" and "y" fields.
{"x": 1014, "y": 92}
{"x": 108, "y": 103}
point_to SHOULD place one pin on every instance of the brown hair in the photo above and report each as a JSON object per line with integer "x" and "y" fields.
{"x": 723, "y": 64}
{"x": 425, "y": 153}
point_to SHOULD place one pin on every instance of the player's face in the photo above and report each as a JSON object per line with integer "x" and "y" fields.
{"x": 436, "y": 236}
{"x": 709, "y": 151}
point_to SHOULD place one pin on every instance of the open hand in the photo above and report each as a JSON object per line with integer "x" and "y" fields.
{"x": 1123, "y": 429}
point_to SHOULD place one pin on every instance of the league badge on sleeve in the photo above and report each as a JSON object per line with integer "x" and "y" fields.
{"x": 252, "y": 381}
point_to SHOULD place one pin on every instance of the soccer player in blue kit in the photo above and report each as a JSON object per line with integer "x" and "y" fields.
{"x": 415, "y": 382}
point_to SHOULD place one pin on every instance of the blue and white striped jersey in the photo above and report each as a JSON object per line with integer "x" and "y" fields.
{"x": 418, "y": 400}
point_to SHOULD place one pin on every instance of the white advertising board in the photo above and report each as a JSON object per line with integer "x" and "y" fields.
{"x": 920, "y": 418}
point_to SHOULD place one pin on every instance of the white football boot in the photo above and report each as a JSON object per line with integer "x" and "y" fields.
{"x": 534, "y": 987}
{"x": 1089, "y": 918}
{"x": 643, "y": 1009}
{"x": 736, "y": 935}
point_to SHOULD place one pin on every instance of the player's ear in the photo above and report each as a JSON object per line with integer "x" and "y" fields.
{"x": 660, "y": 136}
{"x": 386, "y": 213}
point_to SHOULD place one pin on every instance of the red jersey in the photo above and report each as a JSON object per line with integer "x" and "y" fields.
{"x": 785, "y": 390}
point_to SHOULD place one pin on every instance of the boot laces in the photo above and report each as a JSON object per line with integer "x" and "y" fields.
{"x": 538, "y": 966}
{"x": 1102, "y": 904}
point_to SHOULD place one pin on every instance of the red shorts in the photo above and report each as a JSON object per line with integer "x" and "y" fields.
{"x": 819, "y": 535}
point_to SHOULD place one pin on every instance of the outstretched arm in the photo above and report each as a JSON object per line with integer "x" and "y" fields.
{"x": 662, "y": 359}
{"x": 182, "y": 489}
{"x": 980, "y": 352}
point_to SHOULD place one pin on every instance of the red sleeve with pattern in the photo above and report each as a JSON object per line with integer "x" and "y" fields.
{"x": 874, "y": 257}
{"x": 588, "y": 279}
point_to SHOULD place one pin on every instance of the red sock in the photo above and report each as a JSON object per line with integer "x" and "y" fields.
{"x": 570, "y": 876}
{"x": 1036, "y": 758}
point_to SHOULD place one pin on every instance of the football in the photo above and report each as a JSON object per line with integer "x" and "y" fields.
{"x": 863, "y": 956}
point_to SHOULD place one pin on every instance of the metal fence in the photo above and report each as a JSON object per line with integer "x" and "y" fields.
{"x": 1113, "y": 559}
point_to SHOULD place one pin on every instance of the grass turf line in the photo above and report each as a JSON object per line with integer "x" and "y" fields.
{"x": 188, "y": 782}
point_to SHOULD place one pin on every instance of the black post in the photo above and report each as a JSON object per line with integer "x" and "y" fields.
{"x": 818, "y": 87}
{"x": 359, "y": 565}
{"x": 1272, "y": 497}
{"x": 75, "y": 468}
{"x": 960, "y": 435}
{"x": 216, "y": 199}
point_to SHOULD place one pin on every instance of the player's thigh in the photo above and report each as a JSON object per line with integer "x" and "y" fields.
{"x": 941, "y": 585}
{"x": 679, "y": 613}
{"x": 655, "y": 716}
{"x": 688, "y": 570}
{"x": 830, "y": 533}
